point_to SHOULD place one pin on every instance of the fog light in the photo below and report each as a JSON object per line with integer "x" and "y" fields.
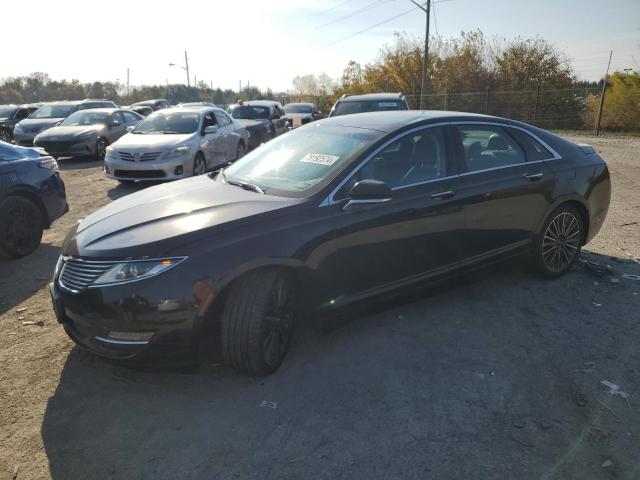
{"x": 143, "y": 336}
{"x": 178, "y": 170}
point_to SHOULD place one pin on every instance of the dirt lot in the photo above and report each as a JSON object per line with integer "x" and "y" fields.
{"x": 495, "y": 376}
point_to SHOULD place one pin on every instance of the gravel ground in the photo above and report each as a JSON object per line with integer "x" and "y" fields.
{"x": 493, "y": 376}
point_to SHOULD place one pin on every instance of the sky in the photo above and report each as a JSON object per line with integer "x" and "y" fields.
{"x": 267, "y": 43}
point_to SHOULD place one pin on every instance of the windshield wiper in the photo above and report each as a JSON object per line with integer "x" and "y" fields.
{"x": 247, "y": 186}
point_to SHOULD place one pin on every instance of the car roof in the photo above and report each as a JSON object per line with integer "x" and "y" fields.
{"x": 193, "y": 108}
{"x": 306, "y": 104}
{"x": 103, "y": 110}
{"x": 149, "y": 102}
{"x": 262, "y": 103}
{"x": 390, "y": 121}
{"x": 371, "y": 97}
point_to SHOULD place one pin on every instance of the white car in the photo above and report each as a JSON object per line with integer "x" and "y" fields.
{"x": 175, "y": 143}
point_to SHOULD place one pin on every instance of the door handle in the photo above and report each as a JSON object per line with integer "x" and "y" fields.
{"x": 533, "y": 176}
{"x": 443, "y": 195}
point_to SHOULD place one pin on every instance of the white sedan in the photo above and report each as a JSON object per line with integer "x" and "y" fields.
{"x": 176, "y": 143}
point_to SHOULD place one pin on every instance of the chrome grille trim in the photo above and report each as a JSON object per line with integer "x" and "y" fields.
{"x": 138, "y": 157}
{"x": 77, "y": 275}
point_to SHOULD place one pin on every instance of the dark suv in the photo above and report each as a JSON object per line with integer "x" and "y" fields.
{"x": 370, "y": 102}
{"x": 155, "y": 104}
{"x": 12, "y": 114}
{"x": 32, "y": 196}
{"x": 50, "y": 114}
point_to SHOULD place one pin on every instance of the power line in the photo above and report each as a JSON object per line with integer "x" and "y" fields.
{"x": 368, "y": 6}
{"x": 372, "y": 27}
{"x": 333, "y": 8}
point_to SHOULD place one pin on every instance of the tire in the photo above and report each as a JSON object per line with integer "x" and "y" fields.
{"x": 241, "y": 150}
{"x": 258, "y": 320}
{"x": 101, "y": 148}
{"x": 5, "y": 135}
{"x": 558, "y": 244}
{"x": 21, "y": 226}
{"x": 199, "y": 165}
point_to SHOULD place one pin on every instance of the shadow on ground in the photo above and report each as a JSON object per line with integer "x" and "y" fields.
{"x": 492, "y": 375}
{"x": 69, "y": 163}
{"x": 123, "y": 189}
{"x": 39, "y": 265}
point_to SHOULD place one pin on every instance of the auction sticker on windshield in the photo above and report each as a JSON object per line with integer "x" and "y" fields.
{"x": 320, "y": 159}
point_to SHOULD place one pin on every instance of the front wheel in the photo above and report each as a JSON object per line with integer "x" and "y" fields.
{"x": 240, "y": 151}
{"x": 20, "y": 227}
{"x": 258, "y": 320}
{"x": 5, "y": 135}
{"x": 199, "y": 165}
{"x": 101, "y": 148}
{"x": 557, "y": 246}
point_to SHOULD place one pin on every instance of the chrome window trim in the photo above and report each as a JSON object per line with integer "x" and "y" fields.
{"x": 329, "y": 200}
{"x": 121, "y": 342}
{"x": 556, "y": 155}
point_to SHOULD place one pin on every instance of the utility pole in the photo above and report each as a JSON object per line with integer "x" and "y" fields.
{"x": 604, "y": 89}
{"x": 127, "y": 82}
{"x": 195, "y": 81}
{"x": 425, "y": 64}
{"x": 186, "y": 67}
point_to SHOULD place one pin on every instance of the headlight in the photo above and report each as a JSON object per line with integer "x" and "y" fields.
{"x": 177, "y": 152}
{"x": 110, "y": 154}
{"x": 134, "y": 270}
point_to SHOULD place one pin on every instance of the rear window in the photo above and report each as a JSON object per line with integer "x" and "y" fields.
{"x": 346, "y": 108}
{"x": 533, "y": 149}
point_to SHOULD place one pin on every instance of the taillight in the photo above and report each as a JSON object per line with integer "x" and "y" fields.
{"x": 49, "y": 163}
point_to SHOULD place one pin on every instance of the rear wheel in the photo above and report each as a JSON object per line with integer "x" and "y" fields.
{"x": 199, "y": 165}
{"x": 557, "y": 246}
{"x": 101, "y": 148}
{"x": 258, "y": 320}
{"x": 20, "y": 227}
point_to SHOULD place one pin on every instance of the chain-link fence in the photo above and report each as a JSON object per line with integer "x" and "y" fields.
{"x": 559, "y": 109}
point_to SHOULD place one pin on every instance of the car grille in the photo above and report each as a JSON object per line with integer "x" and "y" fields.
{"x": 138, "y": 157}
{"x": 53, "y": 147}
{"x": 77, "y": 275}
{"x": 139, "y": 173}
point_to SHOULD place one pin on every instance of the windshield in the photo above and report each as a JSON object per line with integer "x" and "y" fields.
{"x": 6, "y": 111}
{"x": 345, "y": 108}
{"x": 247, "y": 112}
{"x": 294, "y": 163}
{"x": 86, "y": 118}
{"x": 53, "y": 111}
{"x": 169, "y": 123}
{"x": 298, "y": 109}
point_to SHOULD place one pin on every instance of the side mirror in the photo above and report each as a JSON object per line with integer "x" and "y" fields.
{"x": 115, "y": 123}
{"x": 368, "y": 191}
{"x": 210, "y": 129}
{"x": 130, "y": 128}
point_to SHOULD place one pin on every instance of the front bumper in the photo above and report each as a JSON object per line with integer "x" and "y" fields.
{"x": 118, "y": 324}
{"x": 174, "y": 169}
{"x": 72, "y": 148}
{"x": 24, "y": 138}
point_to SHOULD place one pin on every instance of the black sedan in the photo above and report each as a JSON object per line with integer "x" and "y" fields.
{"x": 10, "y": 115}
{"x": 333, "y": 213}
{"x": 32, "y": 196}
{"x": 263, "y": 119}
{"x": 300, "y": 113}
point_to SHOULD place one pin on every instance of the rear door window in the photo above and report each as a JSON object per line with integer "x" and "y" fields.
{"x": 488, "y": 146}
{"x": 533, "y": 148}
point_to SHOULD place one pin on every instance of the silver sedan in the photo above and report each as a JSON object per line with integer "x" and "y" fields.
{"x": 176, "y": 143}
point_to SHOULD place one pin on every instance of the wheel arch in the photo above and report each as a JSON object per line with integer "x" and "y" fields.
{"x": 576, "y": 202}
{"x": 33, "y": 197}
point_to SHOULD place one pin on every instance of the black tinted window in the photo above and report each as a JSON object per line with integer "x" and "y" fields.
{"x": 487, "y": 146}
{"x": 345, "y": 108}
{"x": 417, "y": 157}
{"x": 533, "y": 148}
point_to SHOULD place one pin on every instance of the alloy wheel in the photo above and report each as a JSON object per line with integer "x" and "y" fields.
{"x": 101, "y": 148}
{"x": 5, "y": 136}
{"x": 199, "y": 166}
{"x": 561, "y": 242}
{"x": 278, "y": 323}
